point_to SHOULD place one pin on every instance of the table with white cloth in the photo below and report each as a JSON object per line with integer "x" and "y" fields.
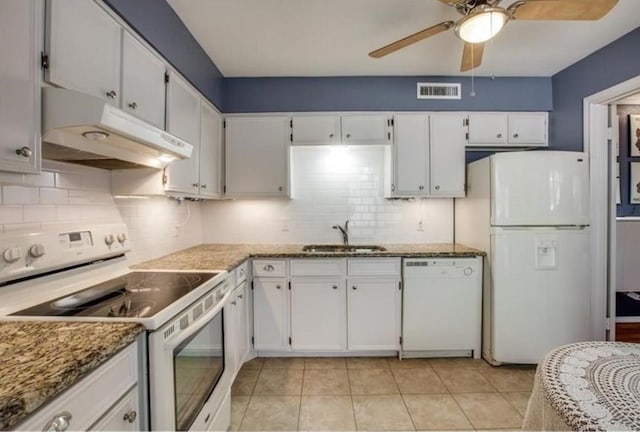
{"x": 589, "y": 386}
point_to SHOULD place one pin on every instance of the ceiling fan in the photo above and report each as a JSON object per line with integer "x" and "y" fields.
{"x": 483, "y": 19}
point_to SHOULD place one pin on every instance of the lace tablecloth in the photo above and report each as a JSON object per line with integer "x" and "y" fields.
{"x": 590, "y": 386}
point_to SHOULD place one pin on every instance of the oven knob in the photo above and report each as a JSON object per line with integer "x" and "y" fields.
{"x": 109, "y": 239}
{"x": 37, "y": 250}
{"x": 468, "y": 271}
{"x": 12, "y": 254}
{"x": 122, "y": 237}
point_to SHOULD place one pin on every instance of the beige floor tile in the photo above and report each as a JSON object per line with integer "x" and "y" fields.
{"x": 489, "y": 410}
{"x": 327, "y": 413}
{"x": 325, "y": 382}
{"x": 367, "y": 363}
{"x": 255, "y": 363}
{"x": 279, "y": 382}
{"x": 396, "y": 363}
{"x": 238, "y": 408}
{"x": 418, "y": 381}
{"x": 325, "y": 363}
{"x": 463, "y": 380}
{"x": 509, "y": 379}
{"x": 372, "y": 381}
{"x": 271, "y": 413}
{"x": 436, "y": 412}
{"x": 458, "y": 363}
{"x": 381, "y": 413}
{"x": 519, "y": 400}
{"x": 245, "y": 382}
{"x": 283, "y": 363}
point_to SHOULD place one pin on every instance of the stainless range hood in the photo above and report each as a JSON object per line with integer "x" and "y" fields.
{"x": 83, "y": 129}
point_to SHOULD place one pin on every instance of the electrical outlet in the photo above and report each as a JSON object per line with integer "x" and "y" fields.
{"x": 420, "y": 226}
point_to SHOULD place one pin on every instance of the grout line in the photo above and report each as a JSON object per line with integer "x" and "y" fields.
{"x": 464, "y": 413}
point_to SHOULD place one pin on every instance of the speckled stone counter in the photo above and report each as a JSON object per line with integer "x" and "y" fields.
{"x": 228, "y": 256}
{"x": 42, "y": 359}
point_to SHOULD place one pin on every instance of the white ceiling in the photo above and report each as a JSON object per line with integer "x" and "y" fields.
{"x": 257, "y": 38}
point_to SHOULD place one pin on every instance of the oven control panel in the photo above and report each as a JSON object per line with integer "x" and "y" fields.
{"x": 24, "y": 254}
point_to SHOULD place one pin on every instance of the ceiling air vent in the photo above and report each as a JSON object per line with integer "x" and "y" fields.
{"x": 439, "y": 91}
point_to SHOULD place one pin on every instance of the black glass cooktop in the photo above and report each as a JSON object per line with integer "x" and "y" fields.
{"x": 133, "y": 295}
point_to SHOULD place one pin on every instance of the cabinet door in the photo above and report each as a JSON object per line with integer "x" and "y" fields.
{"x": 271, "y": 314}
{"x": 366, "y": 129}
{"x": 257, "y": 156}
{"x": 231, "y": 334}
{"x": 20, "y": 85}
{"x": 183, "y": 120}
{"x": 528, "y": 129}
{"x": 447, "y": 155}
{"x": 242, "y": 324}
{"x": 318, "y": 314}
{"x": 210, "y": 151}
{"x": 84, "y": 48}
{"x": 123, "y": 416}
{"x": 315, "y": 130}
{"x": 373, "y": 311}
{"x": 487, "y": 129}
{"x": 143, "y": 86}
{"x": 411, "y": 155}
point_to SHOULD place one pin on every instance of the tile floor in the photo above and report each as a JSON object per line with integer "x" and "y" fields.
{"x": 378, "y": 394}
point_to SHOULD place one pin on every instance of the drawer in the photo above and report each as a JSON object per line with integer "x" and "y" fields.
{"x": 318, "y": 267}
{"x": 124, "y": 416}
{"x": 373, "y": 266}
{"x": 241, "y": 272}
{"x": 269, "y": 268}
{"x": 93, "y": 396}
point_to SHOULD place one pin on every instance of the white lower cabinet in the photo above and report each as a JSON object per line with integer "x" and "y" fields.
{"x": 271, "y": 314}
{"x": 373, "y": 310}
{"x": 123, "y": 416}
{"x": 237, "y": 333}
{"x": 318, "y": 314}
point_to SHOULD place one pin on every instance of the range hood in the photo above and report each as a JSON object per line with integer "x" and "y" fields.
{"x": 84, "y": 129}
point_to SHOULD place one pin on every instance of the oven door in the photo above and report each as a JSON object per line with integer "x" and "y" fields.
{"x": 186, "y": 369}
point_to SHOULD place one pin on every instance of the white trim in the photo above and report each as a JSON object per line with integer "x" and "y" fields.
{"x": 595, "y": 127}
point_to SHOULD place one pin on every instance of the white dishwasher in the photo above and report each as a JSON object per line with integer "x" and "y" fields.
{"x": 441, "y": 307}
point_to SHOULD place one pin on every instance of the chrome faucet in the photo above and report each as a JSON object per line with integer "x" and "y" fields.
{"x": 344, "y": 231}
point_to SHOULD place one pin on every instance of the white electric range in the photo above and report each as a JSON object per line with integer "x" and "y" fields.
{"x": 82, "y": 274}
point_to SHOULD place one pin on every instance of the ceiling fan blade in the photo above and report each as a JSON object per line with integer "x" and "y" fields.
{"x": 568, "y": 10}
{"x": 416, "y": 37}
{"x": 471, "y": 56}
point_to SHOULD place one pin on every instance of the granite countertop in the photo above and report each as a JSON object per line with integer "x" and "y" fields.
{"x": 229, "y": 256}
{"x": 42, "y": 359}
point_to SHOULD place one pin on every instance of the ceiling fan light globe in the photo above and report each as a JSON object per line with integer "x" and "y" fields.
{"x": 481, "y": 26}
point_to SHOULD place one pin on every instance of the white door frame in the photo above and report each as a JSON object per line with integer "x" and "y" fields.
{"x": 596, "y": 130}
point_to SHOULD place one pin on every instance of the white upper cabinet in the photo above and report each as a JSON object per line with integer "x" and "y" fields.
{"x": 210, "y": 152}
{"x": 508, "y": 129}
{"x": 257, "y": 156}
{"x": 20, "y": 85}
{"x": 143, "y": 86}
{"x": 366, "y": 129}
{"x": 410, "y": 155}
{"x": 183, "y": 120}
{"x": 317, "y": 130}
{"x": 83, "y": 45}
{"x": 447, "y": 168}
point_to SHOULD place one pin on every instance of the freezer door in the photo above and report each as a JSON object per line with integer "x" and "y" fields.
{"x": 539, "y": 188}
{"x": 540, "y": 293}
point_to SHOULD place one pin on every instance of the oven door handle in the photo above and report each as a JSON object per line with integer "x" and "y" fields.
{"x": 171, "y": 344}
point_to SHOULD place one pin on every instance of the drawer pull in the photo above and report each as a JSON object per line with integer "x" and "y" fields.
{"x": 278, "y": 287}
{"x": 233, "y": 302}
{"x": 130, "y": 416}
{"x": 239, "y": 296}
{"x": 354, "y": 287}
{"x": 59, "y": 423}
{"x": 269, "y": 268}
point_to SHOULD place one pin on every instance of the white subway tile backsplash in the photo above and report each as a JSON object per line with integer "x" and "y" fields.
{"x": 44, "y": 179}
{"x": 10, "y": 214}
{"x": 11, "y": 179}
{"x": 98, "y": 180}
{"x": 39, "y": 213}
{"x": 54, "y": 196}
{"x": 20, "y": 195}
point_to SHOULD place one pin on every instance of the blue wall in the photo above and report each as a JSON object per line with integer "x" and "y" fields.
{"x": 610, "y": 65}
{"x": 159, "y": 25}
{"x": 388, "y": 93}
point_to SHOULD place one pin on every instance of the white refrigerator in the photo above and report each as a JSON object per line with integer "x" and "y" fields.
{"x": 530, "y": 212}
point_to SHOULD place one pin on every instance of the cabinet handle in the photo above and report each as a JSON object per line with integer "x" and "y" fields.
{"x": 269, "y": 268}
{"x": 133, "y": 105}
{"x": 499, "y": 135}
{"x": 280, "y": 188}
{"x": 239, "y": 296}
{"x": 233, "y": 302}
{"x": 59, "y": 422}
{"x": 195, "y": 184}
{"x": 354, "y": 287}
{"x": 203, "y": 186}
{"x": 393, "y": 188}
{"x": 348, "y": 135}
{"x": 335, "y": 287}
{"x": 330, "y": 135}
{"x": 515, "y": 135}
{"x": 421, "y": 187}
{"x": 437, "y": 187}
{"x": 24, "y": 151}
{"x": 130, "y": 416}
{"x": 278, "y": 287}
{"x": 111, "y": 94}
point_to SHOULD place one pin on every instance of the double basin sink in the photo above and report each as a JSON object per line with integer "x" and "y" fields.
{"x": 331, "y": 248}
